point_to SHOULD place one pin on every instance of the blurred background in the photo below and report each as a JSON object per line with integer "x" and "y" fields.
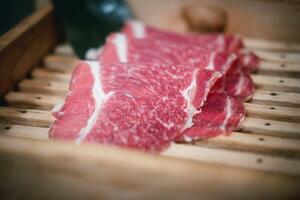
{"x": 87, "y": 22}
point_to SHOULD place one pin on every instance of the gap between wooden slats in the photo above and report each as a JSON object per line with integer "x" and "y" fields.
{"x": 201, "y": 153}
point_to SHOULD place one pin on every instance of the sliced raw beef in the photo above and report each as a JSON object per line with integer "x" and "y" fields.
{"x": 231, "y": 43}
{"x": 237, "y": 83}
{"x": 221, "y": 114}
{"x": 216, "y": 42}
{"x": 120, "y": 48}
{"x": 131, "y": 105}
{"x": 248, "y": 60}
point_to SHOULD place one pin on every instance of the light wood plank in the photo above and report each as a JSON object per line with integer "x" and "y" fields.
{"x": 64, "y": 50}
{"x": 255, "y": 143}
{"x": 237, "y": 141}
{"x": 44, "y": 118}
{"x": 32, "y": 100}
{"x": 28, "y": 117}
{"x": 276, "y": 98}
{"x": 60, "y": 63}
{"x": 275, "y": 84}
{"x": 30, "y": 132}
{"x": 42, "y": 73}
{"x": 233, "y": 158}
{"x": 85, "y": 171}
{"x": 44, "y": 87}
{"x": 273, "y": 112}
{"x": 271, "y": 127}
{"x": 289, "y": 57}
{"x": 251, "y": 43}
{"x": 282, "y": 69}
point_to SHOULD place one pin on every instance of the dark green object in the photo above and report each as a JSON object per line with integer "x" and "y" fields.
{"x": 88, "y": 22}
{"x": 12, "y": 12}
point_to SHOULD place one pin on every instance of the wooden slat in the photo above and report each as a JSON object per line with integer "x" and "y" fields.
{"x": 42, "y": 73}
{"x": 64, "y": 50}
{"x": 260, "y": 126}
{"x": 44, "y": 87}
{"x": 255, "y": 143}
{"x": 279, "y": 56}
{"x": 32, "y": 100}
{"x": 273, "y": 112}
{"x": 237, "y": 141}
{"x": 276, "y": 98}
{"x": 282, "y": 69}
{"x": 21, "y": 49}
{"x": 271, "y": 127}
{"x": 30, "y": 132}
{"x": 271, "y": 45}
{"x": 28, "y": 117}
{"x": 277, "y": 83}
{"x": 60, "y": 63}
{"x": 100, "y": 172}
{"x": 233, "y": 158}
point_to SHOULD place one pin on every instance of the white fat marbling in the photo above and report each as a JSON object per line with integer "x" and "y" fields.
{"x": 228, "y": 111}
{"x": 240, "y": 85}
{"x": 187, "y": 95}
{"x": 211, "y": 65}
{"x": 138, "y": 29}
{"x": 209, "y": 85}
{"x": 120, "y": 42}
{"x": 99, "y": 97}
{"x": 93, "y": 53}
{"x": 57, "y": 108}
{"x": 231, "y": 58}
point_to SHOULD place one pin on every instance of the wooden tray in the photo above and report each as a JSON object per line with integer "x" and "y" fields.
{"x": 260, "y": 161}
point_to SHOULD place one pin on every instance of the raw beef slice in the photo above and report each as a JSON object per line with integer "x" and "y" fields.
{"x": 120, "y": 48}
{"x": 131, "y": 105}
{"x": 137, "y": 29}
{"x": 215, "y": 42}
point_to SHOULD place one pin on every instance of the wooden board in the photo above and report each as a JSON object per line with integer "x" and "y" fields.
{"x": 262, "y": 160}
{"x": 22, "y": 47}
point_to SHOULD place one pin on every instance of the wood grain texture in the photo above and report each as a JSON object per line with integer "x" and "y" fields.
{"x": 100, "y": 172}
{"x": 22, "y": 47}
{"x": 270, "y": 145}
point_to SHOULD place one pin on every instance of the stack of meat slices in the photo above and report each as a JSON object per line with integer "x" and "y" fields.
{"x": 150, "y": 87}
